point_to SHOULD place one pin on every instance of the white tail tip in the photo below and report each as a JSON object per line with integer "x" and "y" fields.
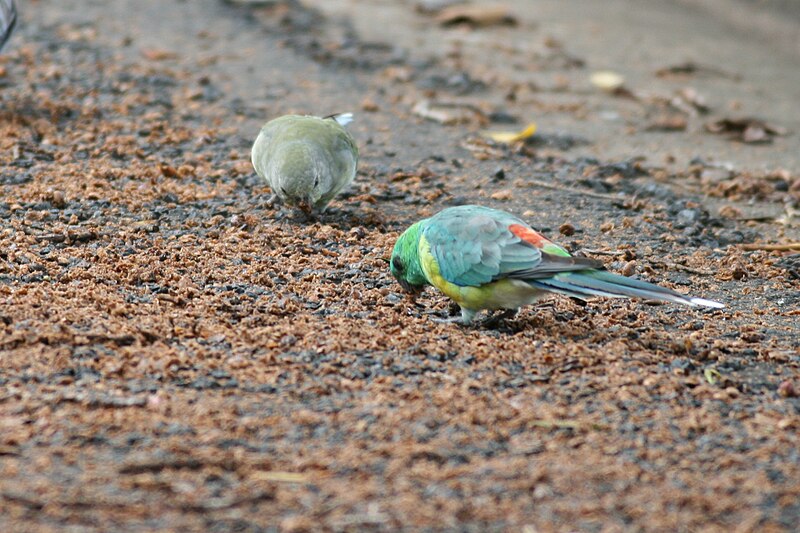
{"x": 343, "y": 118}
{"x": 706, "y": 303}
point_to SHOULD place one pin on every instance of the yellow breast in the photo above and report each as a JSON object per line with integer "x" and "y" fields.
{"x": 501, "y": 294}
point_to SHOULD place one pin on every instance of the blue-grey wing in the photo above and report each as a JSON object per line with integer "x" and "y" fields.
{"x": 473, "y": 246}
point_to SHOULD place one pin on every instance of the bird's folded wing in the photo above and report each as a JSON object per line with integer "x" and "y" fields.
{"x": 475, "y": 249}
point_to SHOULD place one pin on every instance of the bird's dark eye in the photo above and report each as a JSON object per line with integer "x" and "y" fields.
{"x": 397, "y": 263}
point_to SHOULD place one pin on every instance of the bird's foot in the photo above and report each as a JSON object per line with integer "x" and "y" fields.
{"x": 495, "y": 319}
{"x": 451, "y": 320}
{"x": 467, "y": 319}
{"x": 272, "y": 201}
{"x": 304, "y": 216}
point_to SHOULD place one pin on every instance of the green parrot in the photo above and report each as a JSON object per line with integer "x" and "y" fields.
{"x": 484, "y": 258}
{"x": 306, "y": 160}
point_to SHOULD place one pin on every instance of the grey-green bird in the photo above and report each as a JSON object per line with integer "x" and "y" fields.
{"x": 8, "y": 18}
{"x": 306, "y": 160}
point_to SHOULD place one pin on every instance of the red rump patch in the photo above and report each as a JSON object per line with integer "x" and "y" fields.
{"x": 529, "y": 236}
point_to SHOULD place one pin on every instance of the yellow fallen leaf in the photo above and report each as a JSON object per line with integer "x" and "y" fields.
{"x": 712, "y": 375}
{"x": 607, "y": 80}
{"x": 509, "y": 137}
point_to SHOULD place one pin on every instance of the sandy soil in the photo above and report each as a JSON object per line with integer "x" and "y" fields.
{"x": 176, "y": 355}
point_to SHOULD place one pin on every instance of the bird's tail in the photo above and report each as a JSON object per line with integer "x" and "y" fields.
{"x": 586, "y": 283}
{"x": 342, "y": 118}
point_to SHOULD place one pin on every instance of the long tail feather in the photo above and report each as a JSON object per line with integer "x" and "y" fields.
{"x": 601, "y": 283}
{"x": 342, "y": 118}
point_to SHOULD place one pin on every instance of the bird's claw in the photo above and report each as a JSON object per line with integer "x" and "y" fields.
{"x": 272, "y": 201}
{"x": 468, "y": 319}
{"x": 495, "y": 319}
{"x": 452, "y": 320}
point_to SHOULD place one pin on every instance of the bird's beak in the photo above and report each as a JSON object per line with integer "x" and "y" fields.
{"x": 410, "y": 289}
{"x": 306, "y": 207}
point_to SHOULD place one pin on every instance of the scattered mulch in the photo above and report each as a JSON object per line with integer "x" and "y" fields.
{"x": 177, "y": 355}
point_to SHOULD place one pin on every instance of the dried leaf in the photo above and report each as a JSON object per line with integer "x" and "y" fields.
{"x": 714, "y": 175}
{"x": 482, "y": 150}
{"x": 787, "y": 390}
{"x": 755, "y": 134}
{"x": 397, "y": 73}
{"x": 476, "y": 15}
{"x": 748, "y": 130}
{"x": 689, "y": 68}
{"x": 668, "y": 122}
{"x": 690, "y": 102}
{"x": 369, "y": 105}
{"x": 509, "y": 137}
{"x": 731, "y": 212}
{"x": 446, "y": 112}
{"x": 158, "y": 54}
{"x": 607, "y": 80}
{"x": 503, "y": 195}
{"x": 424, "y": 109}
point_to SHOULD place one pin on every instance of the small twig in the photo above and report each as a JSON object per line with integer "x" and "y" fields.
{"x": 22, "y": 498}
{"x": 567, "y": 424}
{"x": 602, "y": 252}
{"x": 8, "y": 450}
{"x": 103, "y": 401}
{"x": 52, "y": 237}
{"x": 171, "y": 299}
{"x": 756, "y": 218}
{"x": 559, "y": 424}
{"x": 281, "y": 477}
{"x": 67, "y": 236}
{"x": 220, "y": 503}
{"x": 582, "y": 192}
{"x": 122, "y": 340}
{"x": 685, "y": 268}
{"x": 211, "y": 504}
{"x": 692, "y": 270}
{"x": 771, "y": 247}
{"x": 157, "y": 465}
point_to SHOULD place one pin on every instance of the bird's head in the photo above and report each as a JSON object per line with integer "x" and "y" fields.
{"x": 301, "y": 177}
{"x": 405, "y": 263}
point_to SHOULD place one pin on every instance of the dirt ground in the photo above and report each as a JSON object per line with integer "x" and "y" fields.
{"x": 175, "y": 355}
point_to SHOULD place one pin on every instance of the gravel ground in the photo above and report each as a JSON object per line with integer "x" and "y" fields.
{"x": 176, "y": 355}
